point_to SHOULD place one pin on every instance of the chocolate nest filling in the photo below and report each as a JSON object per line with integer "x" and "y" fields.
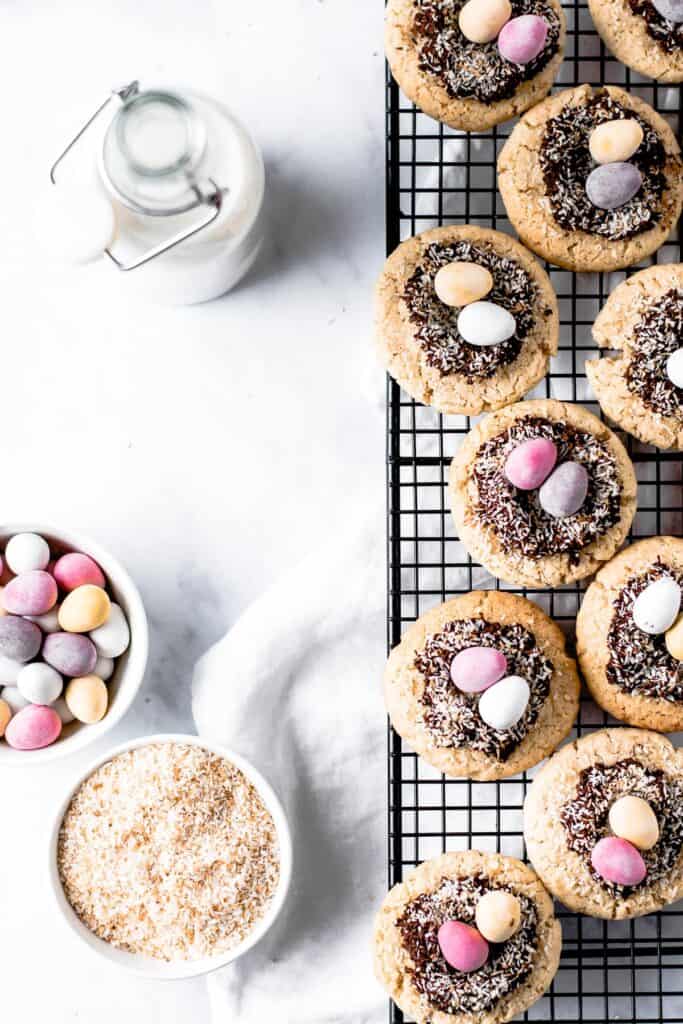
{"x": 476, "y": 70}
{"x": 451, "y": 716}
{"x": 566, "y": 163}
{"x": 667, "y": 33}
{"x": 585, "y": 818}
{"x": 640, "y": 663}
{"x": 517, "y": 518}
{"x": 657, "y": 334}
{"x": 447, "y": 989}
{"x": 437, "y": 323}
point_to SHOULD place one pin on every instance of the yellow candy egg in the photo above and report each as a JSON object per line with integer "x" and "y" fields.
{"x": 87, "y": 699}
{"x": 498, "y": 915}
{"x": 615, "y": 141}
{"x": 633, "y": 819}
{"x": 674, "y": 639}
{"x": 85, "y": 608}
{"x": 458, "y": 284}
{"x": 5, "y": 715}
{"x": 480, "y": 21}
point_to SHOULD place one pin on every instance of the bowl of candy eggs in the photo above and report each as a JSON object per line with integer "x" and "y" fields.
{"x": 73, "y": 642}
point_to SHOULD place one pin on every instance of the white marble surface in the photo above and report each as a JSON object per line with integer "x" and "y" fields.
{"x": 206, "y": 447}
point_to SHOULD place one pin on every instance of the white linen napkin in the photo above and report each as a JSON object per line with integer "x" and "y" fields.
{"x": 295, "y": 686}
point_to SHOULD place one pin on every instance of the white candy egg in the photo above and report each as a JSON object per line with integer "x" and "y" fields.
{"x": 657, "y": 607}
{"x": 504, "y": 703}
{"x": 485, "y": 323}
{"x": 112, "y": 638}
{"x": 9, "y": 670}
{"x": 26, "y": 552}
{"x": 16, "y": 700}
{"x": 104, "y": 668}
{"x": 39, "y": 683}
{"x": 62, "y": 709}
{"x": 674, "y": 367}
{"x": 49, "y": 622}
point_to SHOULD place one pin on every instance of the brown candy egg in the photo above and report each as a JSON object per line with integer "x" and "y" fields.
{"x": 480, "y": 21}
{"x": 633, "y": 819}
{"x": 460, "y": 283}
{"x": 498, "y": 915}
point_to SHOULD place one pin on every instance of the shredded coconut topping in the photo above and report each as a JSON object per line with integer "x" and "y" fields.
{"x": 586, "y": 817}
{"x": 452, "y": 717}
{"x": 657, "y": 334}
{"x": 667, "y": 33}
{"x": 566, "y": 163}
{"x": 167, "y": 850}
{"x": 447, "y": 989}
{"x": 640, "y": 663}
{"x": 466, "y": 69}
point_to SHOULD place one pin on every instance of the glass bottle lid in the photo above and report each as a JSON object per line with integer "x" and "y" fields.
{"x": 152, "y": 153}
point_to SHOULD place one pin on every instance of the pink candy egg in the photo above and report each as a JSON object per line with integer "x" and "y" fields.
{"x": 70, "y": 653}
{"x": 529, "y": 464}
{"x": 75, "y": 570}
{"x": 463, "y": 947}
{"x": 33, "y": 727}
{"x": 522, "y": 39}
{"x": 618, "y": 861}
{"x": 30, "y": 593}
{"x": 477, "y": 668}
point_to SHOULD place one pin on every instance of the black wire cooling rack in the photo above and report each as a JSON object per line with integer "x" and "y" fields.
{"x": 629, "y": 971}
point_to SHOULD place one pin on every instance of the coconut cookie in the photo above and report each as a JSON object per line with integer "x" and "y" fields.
{"x": 646, "y": 35}
{"x": 630, "y": 635}
{"x": 542, "y": 493}
{"x": 603, "y": 823}
{"x": 641, "y": 389}
{"x": 591, "y": 179}
{"x": 467, "y": 938}
{"x": 474, "y": 64}
{"x": 481, "y": 687}
{"x": 466, "y": 319}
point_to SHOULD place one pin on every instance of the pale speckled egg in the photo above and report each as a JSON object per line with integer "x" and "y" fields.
{"x": 112, "y": 639}
{"x": 484, "y": 323}
{"x": 87, "y": 698}
{"x": 504, "y": 703}
{"x": 27, "y": 551}
{"x": 614, "y": 141}
{"x": 656, "y": 608}
{"x": 674, "y": 639}
{"x": 39, "y": 683}
{"x": 480, "y": 21}
{"x": 459, "y": 283}
{"x": 84, "y": 609}
{"x": 633, "y": 819}
{"x": 498, "y": 915}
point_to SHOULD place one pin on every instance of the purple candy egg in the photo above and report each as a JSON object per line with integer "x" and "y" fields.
{"x": 19, "y": 638}
{"x": 618, "y": 861}
{"x": 530, "y": 463}
{"x": 30, "y": 593}
{"x": 612, "y": 185}
{"x": 522, "y": 39}
{"x": 565, "y": 490}
{"x": 70, "y": 653}
{"x": 477, "y": 668}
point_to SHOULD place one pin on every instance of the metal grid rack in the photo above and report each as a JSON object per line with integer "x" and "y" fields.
{"x": 629, "y": 971}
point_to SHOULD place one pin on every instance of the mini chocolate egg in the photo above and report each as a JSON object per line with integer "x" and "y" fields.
{"x": 39, "y": 683}
{"x": 87, "y": 699}
{"x": 5, "y": 715}
{"x": 49, "y": 622}
{"x": 674, "y": 639}
{"x": 112, "y": 639}
{"x": 530, "y": 463}
{"x": 616, "y": 860}
{"x": 633, "y": 819}
{"x": 504, "y": 703}
{"x": 26, "y": 552}
{"x": 656, "y": 608}
{"x": 615, "y": 141}
{"x": 522, "y": 39}
{"x": 62, "y": 709}
{"x": 610, "y": 186}
{"x": 459, "y": 283}
{"x": 476, "y": 668}
{"x": 76, "y": 570}
{"x": 30, "y": 593}
{"x": 498, "y": 915}
{"x": 672, "y": 10}
{"x": 484, "y": 323}
{"x": 480, "y": 21}
{"x": 16, "y": 700}
{"x": 84, "y": 609}
{"x": 104, "y": 667}
{"x": 70, "y": 653}
{"x": 462, "y": 946}
{"x": 565, "y": 490}
{"x": 33, "y": 727}
{"x": 674, "y": 367}
{"x": 20, "y": 639}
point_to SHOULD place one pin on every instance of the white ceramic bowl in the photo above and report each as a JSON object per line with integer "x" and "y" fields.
{"x": 147, "y": 966}
{"x": 130, "y": 667}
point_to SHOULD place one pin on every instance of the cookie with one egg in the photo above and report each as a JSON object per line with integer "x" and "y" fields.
{"x": 646, "y": 35}
{"x": 466, "y": 319}
{"x": 481, "y": 686}
{"x": 431, "y": 956}
{"x": 640, "y": 386}
{"x": 629, "y": 634}
{"x": 603, "y": 824}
